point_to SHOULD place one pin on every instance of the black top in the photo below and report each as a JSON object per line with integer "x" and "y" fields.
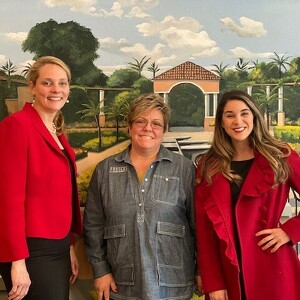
{"x": 241, "y": 168}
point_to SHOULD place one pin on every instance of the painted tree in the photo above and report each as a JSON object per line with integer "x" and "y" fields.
{"x": 93, "y": 109}
{"x": 139, "y": 65}
{"x": 220, "y": 69}
{"x": 118, "y": 110}
{"x": 281, "y": 62}
{"x": 265, "y": 98}
{"x": 9, "y": 69}
{"x": 71, "y": 42}
{"x": 154, "y": 69}
{"x": 123, "y": 78}
{"x": 26, "y": 69}
{"x": 242, "y": 65}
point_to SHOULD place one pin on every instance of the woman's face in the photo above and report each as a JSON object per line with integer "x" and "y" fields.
{"x": 237, "y": 120}
{"x": 147, "y": 131}
{"x": 51, "y": 89}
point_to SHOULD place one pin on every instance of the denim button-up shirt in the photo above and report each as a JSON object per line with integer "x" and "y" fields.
{"x": 143, "y": 232}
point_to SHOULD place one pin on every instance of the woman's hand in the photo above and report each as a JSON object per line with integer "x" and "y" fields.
{"x": 20, "y": 280}
{"x": 198, "y": 286}
{"x": 218, "y": 295}
{"x": 74, "y": 265}
{"x": 103, "y": 285}
{"x": 274, "y": 239}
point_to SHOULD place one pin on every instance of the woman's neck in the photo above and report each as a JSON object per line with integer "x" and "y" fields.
{"x": 141, "y": 160}
{"x": 243, "y": 151}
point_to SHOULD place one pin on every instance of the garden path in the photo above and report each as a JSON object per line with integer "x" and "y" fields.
{"x": 93, "y": 158}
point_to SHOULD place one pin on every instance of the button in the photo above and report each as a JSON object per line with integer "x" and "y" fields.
{"x": 167, "y": 179}
{"x": 146, "y": 179}
{"x": 263, "y": 222}
{"x": 140, "y": 204}
{"x": 143, "y": 191}
{"x": 263, "y": 208}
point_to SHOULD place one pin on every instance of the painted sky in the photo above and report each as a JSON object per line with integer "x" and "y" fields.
{"x": 169, "y": 31}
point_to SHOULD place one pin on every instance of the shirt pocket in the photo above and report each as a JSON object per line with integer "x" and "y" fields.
{"x": 117, "y": 245}
{"x": 170, "y": 244}
{"x": 165, "y": 189}
{"x": 118, "y": 254}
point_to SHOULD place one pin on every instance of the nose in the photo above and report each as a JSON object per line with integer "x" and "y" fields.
{"x": 55, "y": 88}
{"x": 148, "y": 126}
{"x": 237, "y": 119}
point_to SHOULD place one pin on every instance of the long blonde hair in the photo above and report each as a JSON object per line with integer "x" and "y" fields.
{"x": 33, "y": 75}
{"x": 219, "y": 156}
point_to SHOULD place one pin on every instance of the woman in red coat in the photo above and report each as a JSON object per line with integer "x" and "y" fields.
{"x": 39, "y": 205}
{"x": 243, "y": 182}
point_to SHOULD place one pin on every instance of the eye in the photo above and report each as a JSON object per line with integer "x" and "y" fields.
{"x": 245, "y": 113}
{"x": 63, "y": 83}
{"x": 140, "y": 121}
{"x": 157, "y": 124}
{"x": 229, "y": 115}
{"x": 47, "y": 83}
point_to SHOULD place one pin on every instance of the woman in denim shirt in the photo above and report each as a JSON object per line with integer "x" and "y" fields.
{"x": 139, "y": 215}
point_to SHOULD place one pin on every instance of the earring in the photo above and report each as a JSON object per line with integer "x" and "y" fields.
{"x": 68, "y": 101}
{"x": 33, "y": 100}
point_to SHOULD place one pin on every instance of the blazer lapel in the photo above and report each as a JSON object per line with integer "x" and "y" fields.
{"x": 40, "y": 127}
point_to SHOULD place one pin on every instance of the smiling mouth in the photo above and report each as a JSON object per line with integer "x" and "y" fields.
{"x": 146, "y": 137}
{"x": 240, "y": 129}
{"x": 54, "y": 98}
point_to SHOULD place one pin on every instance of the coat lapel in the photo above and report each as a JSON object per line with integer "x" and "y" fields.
{"x": 260, "y": 177}
{"x": 40, "y": 127}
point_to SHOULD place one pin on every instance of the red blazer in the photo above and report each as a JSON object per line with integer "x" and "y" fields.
{"x": 36, "y": 198}
{"x": 266, "y": 275}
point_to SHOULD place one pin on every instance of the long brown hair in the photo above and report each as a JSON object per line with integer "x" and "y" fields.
{"x": 219, "y": 156}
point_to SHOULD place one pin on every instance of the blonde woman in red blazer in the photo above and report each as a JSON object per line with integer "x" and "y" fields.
{"x": 39, "y": 205}
{"x": 244, "y": 252}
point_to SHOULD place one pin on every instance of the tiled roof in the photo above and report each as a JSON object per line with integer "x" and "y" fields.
{"x": 187, "y": 71}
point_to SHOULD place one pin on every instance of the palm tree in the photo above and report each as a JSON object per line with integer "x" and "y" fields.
{"x": 9, "y": 68}
{"x": 154, "y": 69}
{"x": 118, "y": 110}
{"x": 93, "y": 109}
{"x": 242, "y": 65}
{"x": 139, "y": 65}
{"x": 220, "y": 69}
{"x": 281, "y": 62}
{"x": 265, "y": 99}
{"x": 26, "y": 69}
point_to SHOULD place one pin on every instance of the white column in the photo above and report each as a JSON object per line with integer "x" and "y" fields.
{"x": 280, "y": 99}
{"x": 268, "y": 90}
{"x": 249, "y": 90}
{"x": 206, "y": 105}
{"x": 166, "y": 98}
{"x": 101, "y": 101}
{"x": 215, "y": 104}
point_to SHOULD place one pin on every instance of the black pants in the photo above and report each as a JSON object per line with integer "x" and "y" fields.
{"x": 49, "y": 268}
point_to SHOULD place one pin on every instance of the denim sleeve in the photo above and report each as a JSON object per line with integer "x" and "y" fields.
{"x": 93, "y": 227}
{"x": 189, "y": 185}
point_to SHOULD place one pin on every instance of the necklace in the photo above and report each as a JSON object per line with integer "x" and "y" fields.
{"x": 52, "y": 129}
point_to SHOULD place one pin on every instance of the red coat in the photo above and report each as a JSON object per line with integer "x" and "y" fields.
{"x": 266, "y": 275}
{"x": 35, "y": 185}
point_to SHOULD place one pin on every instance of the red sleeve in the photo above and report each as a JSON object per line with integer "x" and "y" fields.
{"x": 291, "y": 227}
{"x": 13, "y": 168}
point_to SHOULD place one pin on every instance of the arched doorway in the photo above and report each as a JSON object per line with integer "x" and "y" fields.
{"x": 188, "y": 72}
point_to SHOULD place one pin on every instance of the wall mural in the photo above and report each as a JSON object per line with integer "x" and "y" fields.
{"x": 246, "y": 43}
